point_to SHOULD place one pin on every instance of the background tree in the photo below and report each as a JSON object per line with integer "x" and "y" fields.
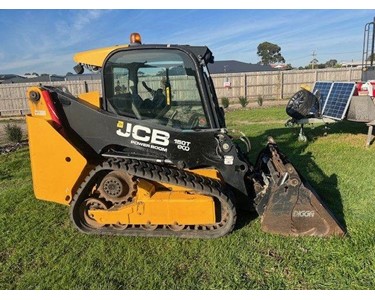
{"x": 371, "y": 56}
{"x": 331, "y": 63}
{"x": 289, "y": 67}
{"x": 269, "y": 53}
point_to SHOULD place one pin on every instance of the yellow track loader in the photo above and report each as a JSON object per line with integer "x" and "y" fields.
{"x": 151, "y": 156}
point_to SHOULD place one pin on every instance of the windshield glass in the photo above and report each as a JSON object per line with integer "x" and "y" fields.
{"x": 155, "y": 84}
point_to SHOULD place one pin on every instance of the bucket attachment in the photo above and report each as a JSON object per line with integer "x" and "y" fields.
{"x": 289, "y": 205}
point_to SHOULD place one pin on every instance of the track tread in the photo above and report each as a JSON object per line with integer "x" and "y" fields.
{"x": 158, "y": 173}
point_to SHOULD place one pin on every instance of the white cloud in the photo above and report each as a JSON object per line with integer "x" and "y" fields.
{"x": 50, "y": 64}
{"x": 50, "y": 51}
{"x": 298, "y": 33}
{"x": 43, "y": 43}
{"x": 85, "y": 18}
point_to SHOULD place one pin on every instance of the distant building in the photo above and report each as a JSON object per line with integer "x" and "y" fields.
{"x": 31, "y": 75}
{"x": 219, "y": 67}
{"x": 352, "y": 64}
{"x": 42, "y": 78}
{"x": 280, "y": 66}
{"x": 88, "y": 76}
{"x": 235, "y": 66}
{"x": 6, "y": 77}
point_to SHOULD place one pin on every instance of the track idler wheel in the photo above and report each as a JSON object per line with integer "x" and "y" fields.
{"x": 176, "y": 227}
{"x": 149, "y": 227}
{"x": 87, "y": 219}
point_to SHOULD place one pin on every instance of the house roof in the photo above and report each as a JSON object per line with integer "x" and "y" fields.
{"x": 352, "y": 63}
{"x": 4, "y": 77}
{"x": 42, "y": 78}
{"x": 88, "y": 76}
{"x": 219, "y": 67}
{"x": 235, "y": 66}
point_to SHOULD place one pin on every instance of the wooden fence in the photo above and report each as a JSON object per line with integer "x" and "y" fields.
{"x": 13, "y": 100}
{"x": 276, "y": 85}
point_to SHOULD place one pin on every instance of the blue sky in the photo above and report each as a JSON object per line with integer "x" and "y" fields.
{"x": 44, "y": 41}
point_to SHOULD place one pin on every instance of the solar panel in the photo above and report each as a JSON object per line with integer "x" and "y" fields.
{"x": 338, "y": 100}
{"x": 323, "y": 87}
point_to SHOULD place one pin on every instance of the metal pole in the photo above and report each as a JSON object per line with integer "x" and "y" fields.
{"x": 364, "y": 52}
{"x": 372, "y": 44}
{"x": 368, "y": 58}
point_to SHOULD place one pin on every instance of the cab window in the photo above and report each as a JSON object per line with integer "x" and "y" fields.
{"x": 159, "y": 85}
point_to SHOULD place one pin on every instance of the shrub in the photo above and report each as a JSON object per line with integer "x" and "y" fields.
{"x": 243, "y": 101}
{"x": 225, "y": 102}
{"x": 13, "y": 132}
{"x": 260, "y": 100}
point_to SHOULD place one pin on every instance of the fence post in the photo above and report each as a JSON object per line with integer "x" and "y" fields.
{"x": 281, "y": 85}
{"x": 245, "y": 83}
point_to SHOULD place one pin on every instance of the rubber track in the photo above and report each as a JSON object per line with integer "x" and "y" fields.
{"x": 158, "y": 173}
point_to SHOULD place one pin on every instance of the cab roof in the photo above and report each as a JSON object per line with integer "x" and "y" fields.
{"x": 96, "y": 57}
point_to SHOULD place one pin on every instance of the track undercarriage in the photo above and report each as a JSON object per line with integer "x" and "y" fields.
{"x": 135, "y": 198}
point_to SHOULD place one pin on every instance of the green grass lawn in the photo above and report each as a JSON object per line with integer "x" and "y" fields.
{"x": 40, "y": 249}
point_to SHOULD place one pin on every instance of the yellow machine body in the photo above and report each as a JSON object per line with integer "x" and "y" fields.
{"x": 38, "y": 108}
{"x": 58, "y": 168}
{"x": 96, "y": 57}
{"x": 92, "y": 98}
{"x": 176, "y": 207}
{"x": 55, "y": 164}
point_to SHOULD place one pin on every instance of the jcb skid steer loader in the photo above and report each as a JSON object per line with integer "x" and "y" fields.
{"x": 152, "y": 156}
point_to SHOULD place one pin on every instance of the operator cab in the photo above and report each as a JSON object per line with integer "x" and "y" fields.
{"x": 165, "y": 84}
{"x": 154, "y": 84}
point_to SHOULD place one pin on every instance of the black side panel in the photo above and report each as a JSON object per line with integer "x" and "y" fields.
{"x": 184, "y": 148}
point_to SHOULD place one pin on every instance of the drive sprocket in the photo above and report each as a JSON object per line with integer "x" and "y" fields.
{"x": 118, "y": 187}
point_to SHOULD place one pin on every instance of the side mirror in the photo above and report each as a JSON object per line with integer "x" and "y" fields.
{"x": 79, "y": 69}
